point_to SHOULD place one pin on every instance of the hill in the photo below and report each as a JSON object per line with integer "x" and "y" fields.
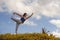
{"x": 28, "y": 36}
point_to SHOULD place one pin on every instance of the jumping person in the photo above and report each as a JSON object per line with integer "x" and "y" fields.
{"x": 21, "y": 21}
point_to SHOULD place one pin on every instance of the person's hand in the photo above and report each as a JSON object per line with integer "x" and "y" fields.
{"x": 14, "y": 13}
{"x": 32, "y": 13}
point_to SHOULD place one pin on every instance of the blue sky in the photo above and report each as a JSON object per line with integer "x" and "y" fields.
{"x": 46, "y": 14}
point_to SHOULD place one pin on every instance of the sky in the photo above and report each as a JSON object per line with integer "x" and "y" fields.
{"x": 46, "y": 15}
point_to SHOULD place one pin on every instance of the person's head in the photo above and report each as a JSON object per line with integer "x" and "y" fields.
{"x": 25, "y": 14}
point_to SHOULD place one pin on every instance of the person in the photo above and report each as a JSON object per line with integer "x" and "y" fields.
{"x": 24, "y": 17}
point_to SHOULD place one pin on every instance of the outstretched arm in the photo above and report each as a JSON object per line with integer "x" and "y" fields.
{"x": 17, "y": 14}
{"x": 29, "y": 16}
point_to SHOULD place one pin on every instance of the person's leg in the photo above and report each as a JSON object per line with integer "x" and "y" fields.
{"x": 14, "y": 19}
{"x": 17, "y": 25}
{"x": 17, "y": 20}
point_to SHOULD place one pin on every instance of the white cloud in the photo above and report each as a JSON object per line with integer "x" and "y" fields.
{"x": 49, "y": 8}
{"x": 1, "y": 10}
{"x": 37, "y": 16}
{"x": 3, "y": 7}
{"x": 56, "y": 33}
{"x": 31, "y": 23}
{"x": 55, "y": 22}
{"x": 22, "y": 6}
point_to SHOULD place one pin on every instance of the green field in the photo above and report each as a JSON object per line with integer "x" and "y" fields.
{"x": 28, "y": 36}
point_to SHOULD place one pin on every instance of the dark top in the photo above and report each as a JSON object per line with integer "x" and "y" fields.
{"x": 22, "y": 19}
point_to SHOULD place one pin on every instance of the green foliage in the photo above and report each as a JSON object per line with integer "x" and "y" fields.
{"x": 29, "y": 36}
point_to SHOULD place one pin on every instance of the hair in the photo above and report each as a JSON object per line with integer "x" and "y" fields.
{"x": 24, "y": 14}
